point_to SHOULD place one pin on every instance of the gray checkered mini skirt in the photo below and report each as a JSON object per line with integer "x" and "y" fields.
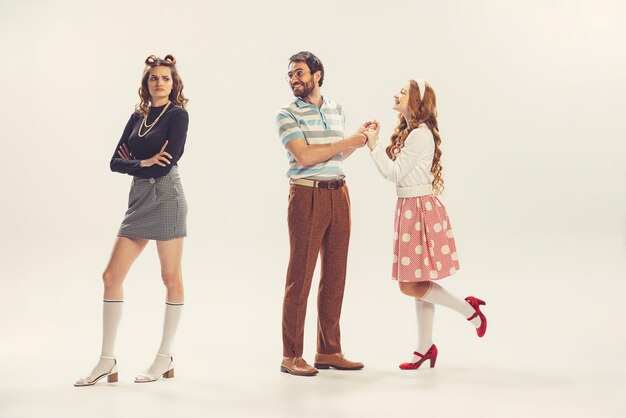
{"x": 157, "y": 209}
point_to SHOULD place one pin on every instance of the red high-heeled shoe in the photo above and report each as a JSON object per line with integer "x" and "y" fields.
{"x": 475, "y": 302}
{"x": 431, "y": 355}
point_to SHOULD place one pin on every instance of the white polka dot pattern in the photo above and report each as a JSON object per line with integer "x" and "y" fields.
{"x": 429, "y": 254}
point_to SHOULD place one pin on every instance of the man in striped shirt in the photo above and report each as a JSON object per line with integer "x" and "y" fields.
{"x": 312, "y": 130}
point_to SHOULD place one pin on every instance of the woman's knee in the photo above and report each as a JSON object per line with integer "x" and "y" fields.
{"x": 407, "y": 288}
{"x": 414, "y": 289}
{"x": 110, "y": 279}
{"x": 171, "y": 278}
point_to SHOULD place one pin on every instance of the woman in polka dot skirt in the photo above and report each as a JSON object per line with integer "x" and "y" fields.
{"x": 424, "y": 247}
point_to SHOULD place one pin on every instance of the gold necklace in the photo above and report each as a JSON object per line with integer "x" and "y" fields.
{"x": 149, "y": 127}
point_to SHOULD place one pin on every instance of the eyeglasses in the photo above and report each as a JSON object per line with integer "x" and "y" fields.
{"x": 298, "y": 73}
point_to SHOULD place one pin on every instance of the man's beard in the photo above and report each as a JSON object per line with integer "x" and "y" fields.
{"x": 305, "y": 90}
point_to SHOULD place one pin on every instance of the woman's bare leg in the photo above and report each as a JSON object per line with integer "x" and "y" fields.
{"x": 125, "y": 252}
{"x": 170, "y": 255}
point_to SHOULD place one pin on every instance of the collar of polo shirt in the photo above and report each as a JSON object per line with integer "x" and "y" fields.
{"x": 302, "y": 103}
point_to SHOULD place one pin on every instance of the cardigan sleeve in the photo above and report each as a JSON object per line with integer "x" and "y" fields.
{"x": 415, "y": 146}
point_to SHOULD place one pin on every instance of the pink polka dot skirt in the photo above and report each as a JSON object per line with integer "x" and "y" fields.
{"x": 423, "y": 246}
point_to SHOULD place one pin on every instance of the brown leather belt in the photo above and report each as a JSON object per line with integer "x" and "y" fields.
{"x": 320, "y": 184}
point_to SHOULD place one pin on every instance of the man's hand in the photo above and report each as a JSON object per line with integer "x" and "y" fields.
{"x": 372, "y": 134}
{"x": 365, "y": 125}
{"x": 357, "y": 140}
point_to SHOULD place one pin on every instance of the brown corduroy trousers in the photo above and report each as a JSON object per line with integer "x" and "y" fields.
{"x": 319, "y": 223}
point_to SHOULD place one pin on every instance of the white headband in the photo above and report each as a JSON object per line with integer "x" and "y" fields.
{"x": 422, "y": 85}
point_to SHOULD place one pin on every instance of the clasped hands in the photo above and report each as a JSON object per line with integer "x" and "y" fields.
{"x": 370, "y": 129}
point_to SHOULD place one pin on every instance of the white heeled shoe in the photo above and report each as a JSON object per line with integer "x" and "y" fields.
{"x": 112, "y": 375}
{"x": 163, "y": 366}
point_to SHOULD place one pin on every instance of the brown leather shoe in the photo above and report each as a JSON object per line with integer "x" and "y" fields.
{"x": 338, "y": 361}
{"x": 297, "y": 367}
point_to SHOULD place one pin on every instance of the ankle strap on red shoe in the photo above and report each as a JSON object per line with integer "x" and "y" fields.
{"x": 473, "y": 316}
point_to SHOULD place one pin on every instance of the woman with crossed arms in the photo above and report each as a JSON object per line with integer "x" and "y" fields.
{"x": 149, "y": 149}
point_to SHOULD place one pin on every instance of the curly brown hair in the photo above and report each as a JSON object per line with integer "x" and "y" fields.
{"x": 421, "y": 111}
{"x": 176, "y": 95}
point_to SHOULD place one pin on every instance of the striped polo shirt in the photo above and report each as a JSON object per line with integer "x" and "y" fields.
{"x": 323, "y": 125}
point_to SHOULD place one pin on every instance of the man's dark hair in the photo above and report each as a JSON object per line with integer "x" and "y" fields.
{"x": 311, "y": 60}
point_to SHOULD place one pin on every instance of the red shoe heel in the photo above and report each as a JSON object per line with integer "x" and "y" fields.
{"x": 433, "y": 360}
{"x": 476, "y": 303}
{"x": 431, "y": 355}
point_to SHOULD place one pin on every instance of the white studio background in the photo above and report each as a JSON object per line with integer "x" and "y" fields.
{"x": 531, "y": 107}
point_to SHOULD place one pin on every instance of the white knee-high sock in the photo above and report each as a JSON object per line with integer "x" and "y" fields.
{"x": 425, "y": 314}
{"x": 440, "y": 296}
{"x": 111, "y": 316}
{"x": 170, "y": 324}
{"x": 162, "y": 362}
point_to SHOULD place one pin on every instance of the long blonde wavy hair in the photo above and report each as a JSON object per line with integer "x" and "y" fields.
{"x": 176, "y": 95}
{"x": 421, "y": 111}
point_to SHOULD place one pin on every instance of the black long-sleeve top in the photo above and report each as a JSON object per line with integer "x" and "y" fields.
{"x": 171, "y": 127}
